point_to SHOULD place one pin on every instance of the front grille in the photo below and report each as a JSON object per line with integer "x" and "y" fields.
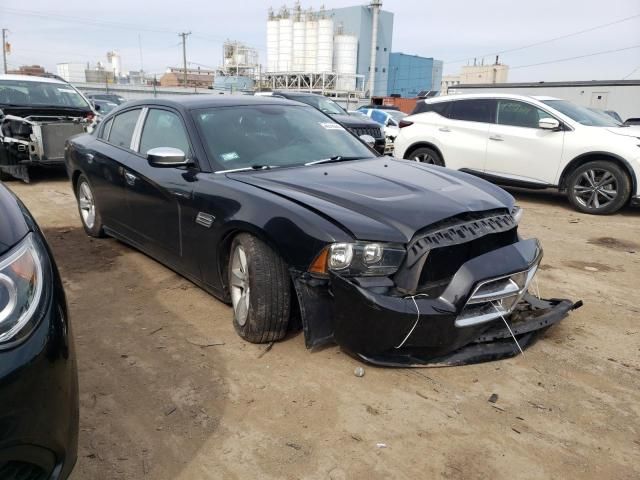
{"x": 375, "y": 132}
{"x": 54, "y": 136}
{"x": 21, "y": 471}
{"x": 443, "y": 263}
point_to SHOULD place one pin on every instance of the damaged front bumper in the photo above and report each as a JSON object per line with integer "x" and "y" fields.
{"x": 469, "y": 322}
{"x": 35, "y": 140}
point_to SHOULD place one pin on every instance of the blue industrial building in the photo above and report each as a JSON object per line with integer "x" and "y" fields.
{"x": 411, "y": 74}
{"x": 358, "y": 21}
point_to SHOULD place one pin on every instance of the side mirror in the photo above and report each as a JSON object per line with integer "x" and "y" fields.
{"x": 165, "y": 157}
{"x": 96, "y": 107}
{"x": 369, "y": 140}
{"x": 549, "y": 123}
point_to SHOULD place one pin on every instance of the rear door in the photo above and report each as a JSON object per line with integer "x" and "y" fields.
{"x": 518, "y": 149}
{"x": 104, "y": 167}
{"x": 463, "y": 134}
{"x": 159, "y": 197}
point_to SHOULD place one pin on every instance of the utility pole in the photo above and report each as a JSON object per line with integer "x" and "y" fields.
{"x": 184, "y": 36}
{"x": 4, "y": 49}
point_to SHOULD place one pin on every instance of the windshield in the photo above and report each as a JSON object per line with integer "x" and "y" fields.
{"x": 323, "y": 104}
{"x": 43, "y": 94}
{"x": 396, "y": 115}
{"x": 582, "y": 115}
{"x": 273, "y": 135}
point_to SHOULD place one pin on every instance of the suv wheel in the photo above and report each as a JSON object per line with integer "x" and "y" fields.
{"x": 426, "y": 155}
{"x": 260, "y": 290}
{"x": 599, "y": 187}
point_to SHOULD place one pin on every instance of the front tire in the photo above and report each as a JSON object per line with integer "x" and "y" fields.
{"x": 600, "y": 187}
{"x": 260, "y": 290}
{"x": 426, "y": 155}
{"x": 89, "y": 213}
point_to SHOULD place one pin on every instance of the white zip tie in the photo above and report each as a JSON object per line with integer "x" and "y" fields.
{"x": 509, "y": 328}
{"x": 413, "y": 297}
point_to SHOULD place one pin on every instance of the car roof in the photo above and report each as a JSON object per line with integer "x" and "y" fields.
{"x": 195, "y": 101}
{"x": 468, "y": 96}
{"x": 31, "y": 78}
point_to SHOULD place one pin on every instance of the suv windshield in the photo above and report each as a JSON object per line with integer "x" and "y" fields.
{"x": 273, "y": 136}
{"x": 582, "y": 115}
{"x": 44, "y": 94}
{"x": 323, "y": 104}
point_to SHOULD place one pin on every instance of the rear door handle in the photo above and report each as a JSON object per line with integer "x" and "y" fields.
{"x": 444, "y": 129}
{"x": 496, "y": 138}
{"x": 130, "y": 178}
{"x": 90, "y": 157}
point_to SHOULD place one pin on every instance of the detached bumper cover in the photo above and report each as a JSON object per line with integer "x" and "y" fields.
{"x": 384, "y": 327}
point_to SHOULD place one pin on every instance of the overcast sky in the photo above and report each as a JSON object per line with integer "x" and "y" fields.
{"x": 47, "y": 33}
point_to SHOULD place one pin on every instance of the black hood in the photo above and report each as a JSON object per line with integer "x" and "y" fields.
{"x": 13, "y": 226}
{"x": 355, "y": 122}
{"x": 382, "y": 199}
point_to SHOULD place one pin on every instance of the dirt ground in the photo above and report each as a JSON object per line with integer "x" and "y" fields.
{"x": 169, "y": 391}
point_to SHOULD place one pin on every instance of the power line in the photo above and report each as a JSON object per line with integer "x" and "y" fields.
{"x": 576, "y": 57}
{"x": 561, "y": 37}
{"x": 632, "y": 72}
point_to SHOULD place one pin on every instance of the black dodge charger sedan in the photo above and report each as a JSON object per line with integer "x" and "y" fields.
{"x": 38, "y": 376}
{"x": 270, "y": 205}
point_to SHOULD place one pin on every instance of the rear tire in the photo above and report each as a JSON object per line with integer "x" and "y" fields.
{"x": 87, "y": 208}
{"x": 260, "y": 290}
{"x": 426, "y": 155}
{"x": 4, "y": 176}
{"x": 600, "y": 187}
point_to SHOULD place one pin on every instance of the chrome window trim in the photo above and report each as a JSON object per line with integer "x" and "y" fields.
{"x": 137, "y": 131}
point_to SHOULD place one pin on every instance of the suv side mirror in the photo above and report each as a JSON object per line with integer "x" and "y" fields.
{"x": 548, "y": 123}
{"x": 166, "y": 157}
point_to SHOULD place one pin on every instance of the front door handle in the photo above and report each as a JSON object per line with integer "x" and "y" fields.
{"x": 496, "y": 138}
{"x": 130, "y": 178}
{"x": 444, "y": 129}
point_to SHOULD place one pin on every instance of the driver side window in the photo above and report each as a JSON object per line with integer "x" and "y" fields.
{"x": 519, "y": 114}
{"x": 163, "y": 129}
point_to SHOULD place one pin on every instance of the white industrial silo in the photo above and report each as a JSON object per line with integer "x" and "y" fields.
{"x": 273, "y": 42}
{"x": 285, "y": 45}
{"x": 298, "y": 62}
{"x": 311, "y": 44}
{"x": 345, "y": 58}
{"x": 325, "y": 45}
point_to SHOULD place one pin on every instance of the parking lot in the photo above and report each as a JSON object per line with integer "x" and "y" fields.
{"x": 169, "y": 391}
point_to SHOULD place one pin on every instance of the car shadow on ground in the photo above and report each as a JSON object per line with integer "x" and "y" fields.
{"x": 557, "y": 199}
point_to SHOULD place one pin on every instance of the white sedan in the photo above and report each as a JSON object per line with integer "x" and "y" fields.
{"x": 531, "y": 142}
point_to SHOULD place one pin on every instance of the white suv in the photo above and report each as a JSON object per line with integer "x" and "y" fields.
{"x": 532, "y": 142}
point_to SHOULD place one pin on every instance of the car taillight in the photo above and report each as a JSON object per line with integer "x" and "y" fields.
{"x": 404, "y": 123}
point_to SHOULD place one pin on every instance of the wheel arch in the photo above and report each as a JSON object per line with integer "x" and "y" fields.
{"x": 592, "y": 156}
{"x": 224, "y": 249}
{"x": 423, "y": 143}
{"x": 74, "y": 180}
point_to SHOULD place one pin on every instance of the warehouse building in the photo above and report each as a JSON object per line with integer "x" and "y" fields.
{"x": 411, "y": 74}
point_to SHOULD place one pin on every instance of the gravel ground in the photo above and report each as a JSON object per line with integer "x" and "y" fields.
{"x": 169, "y": 391}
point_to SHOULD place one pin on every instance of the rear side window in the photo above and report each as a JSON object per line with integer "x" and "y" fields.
{"x": 519, "y": 114}
{"x": 163, "y": 129}
{"x": 477, "y": 110}
{"x": 122, "y": 128}
{"x": 441, "y": 108}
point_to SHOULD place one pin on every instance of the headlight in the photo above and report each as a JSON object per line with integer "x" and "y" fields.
{"x": 359, "y": 259}
{"x": 516, "y": 213}
{"x": 21, "y": 282}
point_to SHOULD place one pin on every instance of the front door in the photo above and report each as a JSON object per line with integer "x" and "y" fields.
{"x": 518, "y": 149}
{"x": 157, "y": 196}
